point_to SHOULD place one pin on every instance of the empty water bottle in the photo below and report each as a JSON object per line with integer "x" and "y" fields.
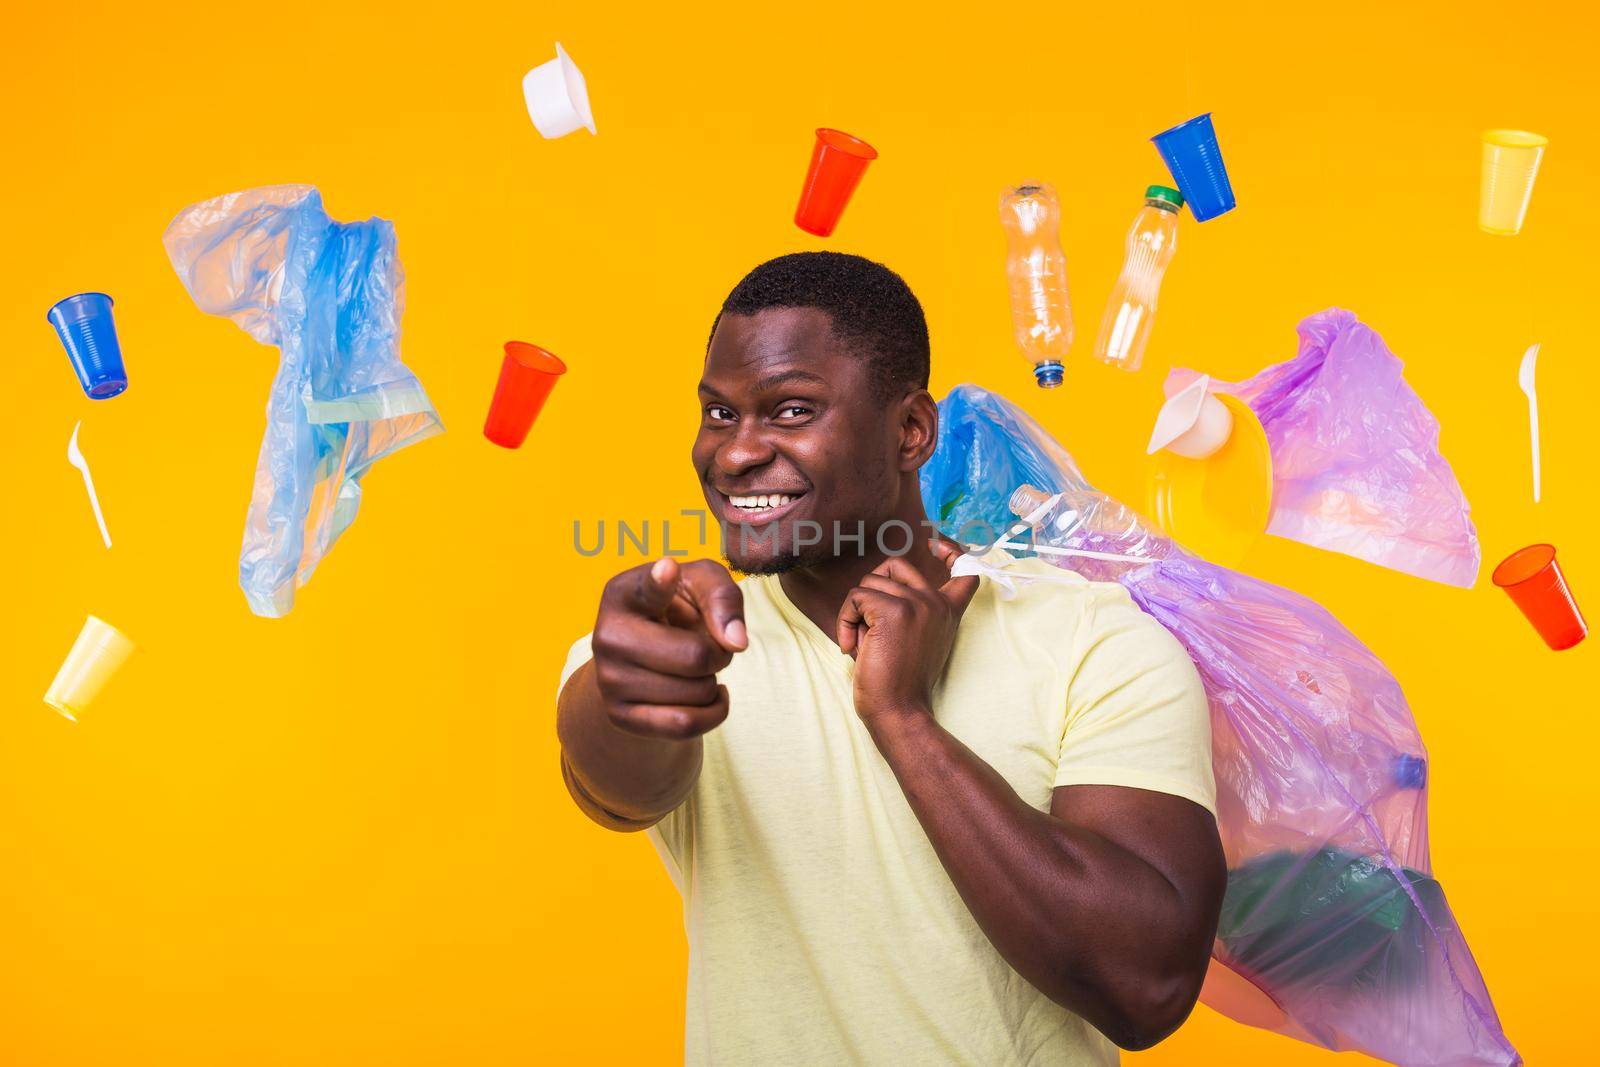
{"x": 1041, "y": 312}
{"x": 1131, "y": 313}
{"x": 1101, "y": 537}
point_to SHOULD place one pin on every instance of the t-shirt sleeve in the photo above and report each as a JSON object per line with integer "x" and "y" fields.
{"x": 670, "y": 835}
{"x": 577, "y": 656}
{"x": 1136, "y": 711}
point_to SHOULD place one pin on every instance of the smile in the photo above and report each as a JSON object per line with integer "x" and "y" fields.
{"x": 758, "y": 508}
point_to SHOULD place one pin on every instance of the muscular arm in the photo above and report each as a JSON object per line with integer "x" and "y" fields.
{"x": 1107, "y": 904}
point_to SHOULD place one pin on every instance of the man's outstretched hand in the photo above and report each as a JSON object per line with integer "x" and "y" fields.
{"x": 900, "y": 628}
{"x": 663, "y": 633}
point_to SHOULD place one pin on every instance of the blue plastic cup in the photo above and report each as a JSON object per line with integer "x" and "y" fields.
{"x": 89, "y": 335}
{"x": 1191, "y": 153}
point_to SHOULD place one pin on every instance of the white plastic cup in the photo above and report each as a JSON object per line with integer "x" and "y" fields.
{"x": 100, "y": 650}
{"x": 1192, "y": 423}
{"x": 1510, "y": 165}
{"x": 557, "y": 96}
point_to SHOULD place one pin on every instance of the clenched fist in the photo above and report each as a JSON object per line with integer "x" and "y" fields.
{"x": 900, "y": 628}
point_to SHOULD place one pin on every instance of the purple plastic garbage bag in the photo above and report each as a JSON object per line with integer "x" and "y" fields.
{"x": 1355, "y": 454}
{"x": 1333, "y": 920}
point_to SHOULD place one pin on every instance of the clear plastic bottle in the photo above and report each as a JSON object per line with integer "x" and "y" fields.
{"x": 1041, "y": 311}
{"x": 1131, "y": 313}
{"x": 1085, "y": 531}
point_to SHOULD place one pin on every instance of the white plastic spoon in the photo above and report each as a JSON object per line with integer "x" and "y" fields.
{"x": 75, "y": 457}
{"x": 1525, "y": 379}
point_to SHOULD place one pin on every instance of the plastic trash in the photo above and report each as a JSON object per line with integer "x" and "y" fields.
{"x": 1525, "y": 372}
{"x": 98, "y": 653}
{"x": 1510, "y": 164}
{"x": 527, "y": 374}
{"x": 1355, "y": 455}
{"x": 838, "y": 162}
{"x": 1194, "y": 159}
{"x": 1192, "y": 423}
{"x": 1079, "y": 524}
{"x": 1217, "y": 506}
{"x": 1131, "y": 313}
{"x": 89, "y": 334}
{"x": 1280, "y": 906}
{"x": 329, "y": 295}
{"x": 1533, "y": 579}
{"x": 557, "y": 97}
{"x": 1335, "y": 928}
{"x": 1036, "y": 270}
{"x": 75, "y": 457}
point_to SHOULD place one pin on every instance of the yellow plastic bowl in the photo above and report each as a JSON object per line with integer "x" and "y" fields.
{"x": 1219, "y": 506}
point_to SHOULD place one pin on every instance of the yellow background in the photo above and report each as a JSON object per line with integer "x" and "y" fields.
{"x": 341, "y": 837}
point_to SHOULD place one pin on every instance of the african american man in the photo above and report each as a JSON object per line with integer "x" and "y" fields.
{"x": 912, "y": 822}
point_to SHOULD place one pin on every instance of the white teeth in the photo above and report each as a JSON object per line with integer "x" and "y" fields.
{"x": 761, "y": 501}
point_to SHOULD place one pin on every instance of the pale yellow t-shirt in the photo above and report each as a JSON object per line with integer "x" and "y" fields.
{"x": 822, "y": 928}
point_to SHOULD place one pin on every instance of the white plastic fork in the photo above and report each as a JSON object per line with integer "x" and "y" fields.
{"x": 1525, "y": 379}
{"x": 75, "y": 457}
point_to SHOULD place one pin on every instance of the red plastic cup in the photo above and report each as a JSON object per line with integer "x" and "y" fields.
{"x": 526, "y": 377}
{"x": 837, "y": 164}
{"x": 1535, "y": 582}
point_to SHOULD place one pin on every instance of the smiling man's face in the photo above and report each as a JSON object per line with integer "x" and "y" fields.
{"x": 793, "y": 442}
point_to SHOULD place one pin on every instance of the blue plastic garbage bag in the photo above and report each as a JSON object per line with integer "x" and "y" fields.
{"x": 329, "y": 296}
{"x": 1334, "y": 929}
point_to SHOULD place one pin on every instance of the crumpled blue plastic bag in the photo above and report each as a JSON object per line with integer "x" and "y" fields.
{"x": 1333, "y": 930}
{"x": 1356, "y": 466}
{"x": 329, "y": 295}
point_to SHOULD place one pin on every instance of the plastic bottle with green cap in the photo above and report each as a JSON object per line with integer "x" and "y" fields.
{"x": 1131, "y": 313}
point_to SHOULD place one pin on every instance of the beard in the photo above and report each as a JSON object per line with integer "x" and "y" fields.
{"x": 780, "y": 556}
{"x": 779, "y": 564}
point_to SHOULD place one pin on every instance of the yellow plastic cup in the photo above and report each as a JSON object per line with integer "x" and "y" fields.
{"x": 1510, "y": 164}
{"x": 100, "y": 650}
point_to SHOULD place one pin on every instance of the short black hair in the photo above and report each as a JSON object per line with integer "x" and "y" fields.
{"x": 873, "y": 310}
